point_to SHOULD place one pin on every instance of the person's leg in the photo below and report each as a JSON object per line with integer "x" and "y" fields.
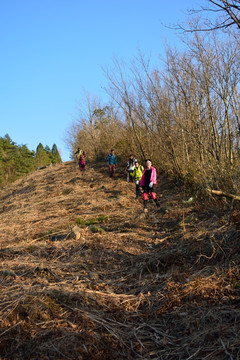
{"x": 110, "y": 170}
{"x": 154, "y": 197}
{"x": 145, "y": 198}
{"x": 113, "y": 170}
{"x": 137, "y": 190}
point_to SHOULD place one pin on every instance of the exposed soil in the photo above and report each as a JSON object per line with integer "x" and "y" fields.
{"x": 85, "y": 274}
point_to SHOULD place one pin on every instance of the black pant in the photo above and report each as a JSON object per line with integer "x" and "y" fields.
{"x": 137, "y": 189}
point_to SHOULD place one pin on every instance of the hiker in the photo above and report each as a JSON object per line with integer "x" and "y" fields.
{"x": 77, "y": 155}
{"x": 130, "y": 167}
{"x": 148, "y": 182}
{"x": 136, "y": 174}
{"x": 112, "y": 163}
{"x": 82, "y": 161}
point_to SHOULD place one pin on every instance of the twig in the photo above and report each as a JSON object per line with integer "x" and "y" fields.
{"x": 10, "y": 328}
{"x": 65, "y": 356}
{"x": 47, "y": 235}
{"x": 196, "y": 352}
{"x": 205, "y": 256}
{"x": 225, "y": 350}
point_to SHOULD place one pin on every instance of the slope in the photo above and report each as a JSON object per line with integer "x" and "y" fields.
{"x": 85, "y": 275}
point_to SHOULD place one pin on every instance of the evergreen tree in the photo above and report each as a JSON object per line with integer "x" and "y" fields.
{"x": 26, "y": 161}
{"x": 47, "y": 149}
{"x": 15, "y": 160}
{"x": 7, "y": 159}
{"x": 42, "y": 157}
{"x": 55, "y": 155}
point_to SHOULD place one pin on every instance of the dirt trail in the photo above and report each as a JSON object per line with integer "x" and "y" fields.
{"x": 86, "y": 275}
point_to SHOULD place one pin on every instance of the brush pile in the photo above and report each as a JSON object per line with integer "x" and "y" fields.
{"x": 86, "y": 275}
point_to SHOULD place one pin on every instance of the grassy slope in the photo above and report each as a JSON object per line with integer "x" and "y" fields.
{"x": 161, "y": 286}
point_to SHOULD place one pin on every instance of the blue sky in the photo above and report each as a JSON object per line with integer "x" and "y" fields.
{"x": 53, "y": 51}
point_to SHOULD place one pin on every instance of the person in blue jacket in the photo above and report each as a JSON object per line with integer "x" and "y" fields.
{"x": 112, "y": 163}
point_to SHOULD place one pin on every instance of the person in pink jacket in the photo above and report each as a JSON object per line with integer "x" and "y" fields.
{"x": 148, "y": 183}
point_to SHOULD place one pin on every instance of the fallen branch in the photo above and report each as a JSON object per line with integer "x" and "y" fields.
{"x": 222, "y": 193}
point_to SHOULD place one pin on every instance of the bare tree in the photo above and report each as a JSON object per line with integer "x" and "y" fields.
{"x": 229, "y": 13}
{"x": 204, "y": 86}
{"x": 119, "y": 89}
{"x": 95, "y": 129}
{"x": 223, "y": 14}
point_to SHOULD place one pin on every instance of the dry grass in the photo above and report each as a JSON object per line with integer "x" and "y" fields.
{"x": 162, "y": 286}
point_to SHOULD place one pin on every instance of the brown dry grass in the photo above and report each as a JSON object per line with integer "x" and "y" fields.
{"x": 161, "y": 286}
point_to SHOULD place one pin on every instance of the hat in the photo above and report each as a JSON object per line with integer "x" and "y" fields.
{"x": 136, "y": 161}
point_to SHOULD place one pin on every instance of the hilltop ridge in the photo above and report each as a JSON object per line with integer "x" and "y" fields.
{"x": 86, "y": 275}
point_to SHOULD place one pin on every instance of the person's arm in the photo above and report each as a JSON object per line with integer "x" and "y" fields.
{"x": 142, "y": 181}
{"x": 154, "y": 176}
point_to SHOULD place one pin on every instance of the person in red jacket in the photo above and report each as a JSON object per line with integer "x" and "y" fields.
{"x": 148, "y": 183}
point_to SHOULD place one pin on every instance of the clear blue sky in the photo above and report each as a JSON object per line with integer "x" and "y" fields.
{"x": 54, "y": 50}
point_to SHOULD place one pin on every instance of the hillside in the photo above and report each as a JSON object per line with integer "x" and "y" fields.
{"x": 86, "y": 275}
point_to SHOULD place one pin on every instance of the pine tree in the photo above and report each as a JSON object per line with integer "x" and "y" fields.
{"x": 55, "y": 155}
{"x": 15, "y": 160}
{"x": 25, "y": 161}
{"x": 42, "y": 157}
{"x": 7, "y": 159}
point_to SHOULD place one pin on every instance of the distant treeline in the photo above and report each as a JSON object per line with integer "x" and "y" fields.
{"x": 17, "y": 160}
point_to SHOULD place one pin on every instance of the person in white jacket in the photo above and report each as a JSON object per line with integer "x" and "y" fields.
{"x": 130, "y": 167}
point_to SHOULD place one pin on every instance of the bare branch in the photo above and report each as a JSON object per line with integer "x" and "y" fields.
{"x": 229, "y": 16}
